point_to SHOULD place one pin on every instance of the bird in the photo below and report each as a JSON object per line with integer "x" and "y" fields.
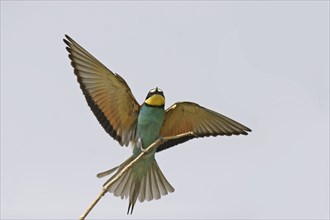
{"x": 126, "y": 121}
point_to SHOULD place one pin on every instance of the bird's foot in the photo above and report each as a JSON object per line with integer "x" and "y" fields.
{"x": 161, "y": 139}
{"x": 140, "y": 146}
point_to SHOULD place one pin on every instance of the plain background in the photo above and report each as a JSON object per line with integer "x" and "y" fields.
{"x": 264, "y": 64}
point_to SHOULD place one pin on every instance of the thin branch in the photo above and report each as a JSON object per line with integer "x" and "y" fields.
{"x": 128, "y": 166}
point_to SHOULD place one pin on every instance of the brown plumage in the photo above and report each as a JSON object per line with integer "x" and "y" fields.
{"x": 184, "y": 117}
{"x": 113, "y": 104}
{"x": 106, "y": 93}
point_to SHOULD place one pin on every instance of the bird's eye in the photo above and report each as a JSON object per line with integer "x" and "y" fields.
{"x": 152, "y": 91}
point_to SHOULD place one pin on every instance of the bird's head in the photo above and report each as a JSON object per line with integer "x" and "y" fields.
{"x": 155, "y": 97}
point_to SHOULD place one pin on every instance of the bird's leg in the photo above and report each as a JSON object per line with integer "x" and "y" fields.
{"x": 139, "y": 145}
{"x": 107, "y": 186}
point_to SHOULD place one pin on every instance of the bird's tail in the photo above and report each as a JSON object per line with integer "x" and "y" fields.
{"x": 151, "y": 185}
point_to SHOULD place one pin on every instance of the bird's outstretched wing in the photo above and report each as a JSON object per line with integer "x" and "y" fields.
{"x": 183, "y": 117}
{"x": 107, "y": 94}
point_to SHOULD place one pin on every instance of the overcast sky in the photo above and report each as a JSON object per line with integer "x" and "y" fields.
{"x": 264, "y": 64}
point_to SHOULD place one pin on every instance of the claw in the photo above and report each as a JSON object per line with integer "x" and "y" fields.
{"x": 161, "y": 139}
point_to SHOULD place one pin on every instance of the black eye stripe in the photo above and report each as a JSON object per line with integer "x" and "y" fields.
{"x": 154, "y": 92}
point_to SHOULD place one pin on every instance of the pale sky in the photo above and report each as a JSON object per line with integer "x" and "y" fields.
{"x": 264, "y": 64}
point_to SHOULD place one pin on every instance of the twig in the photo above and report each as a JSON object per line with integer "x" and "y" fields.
{"x": 128, "y": 166}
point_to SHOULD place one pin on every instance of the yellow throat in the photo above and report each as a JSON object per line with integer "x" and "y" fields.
{"x": 155, "y": 100}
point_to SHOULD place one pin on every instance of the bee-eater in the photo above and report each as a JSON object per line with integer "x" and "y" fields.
{"x": 112, "y": 102}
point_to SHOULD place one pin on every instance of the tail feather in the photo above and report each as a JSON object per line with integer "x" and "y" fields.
{"x": 151, "y": 186}
{"x": 142, "y": 194}
{"x": 106, "y": 173}
{"x": 119, "y": 190}
{"x": 127, "y": 188}
{"x": 154, "y": 185}
{"x": 161, "y": 185}
{"x": 135, "y": 190}
{"x": 164, "y": 185}
{"x": 149, "y": 195}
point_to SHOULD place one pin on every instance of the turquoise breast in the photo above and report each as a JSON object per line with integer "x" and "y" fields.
{"x": 150, "y": 121}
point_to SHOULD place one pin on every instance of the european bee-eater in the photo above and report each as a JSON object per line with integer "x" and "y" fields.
{"x": 112, "y": 102}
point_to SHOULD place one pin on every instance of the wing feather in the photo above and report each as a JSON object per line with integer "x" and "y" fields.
{"x": 183, "y": 117}
{"x": 106, "y": 93}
